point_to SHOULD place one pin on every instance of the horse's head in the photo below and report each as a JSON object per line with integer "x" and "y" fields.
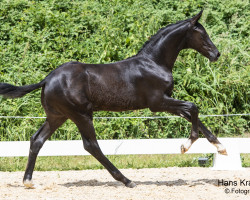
{"x": 198, "y": 39}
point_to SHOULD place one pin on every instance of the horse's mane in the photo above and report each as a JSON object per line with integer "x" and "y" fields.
{"x": 163, "y": 31}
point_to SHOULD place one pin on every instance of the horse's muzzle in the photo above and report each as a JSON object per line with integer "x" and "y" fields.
{"x": 214, "y": 56}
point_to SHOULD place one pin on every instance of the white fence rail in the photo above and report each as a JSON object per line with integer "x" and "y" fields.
{"x": 234, "y": 147}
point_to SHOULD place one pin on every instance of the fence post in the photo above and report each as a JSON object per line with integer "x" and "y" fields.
{"x": 230, "y": 162}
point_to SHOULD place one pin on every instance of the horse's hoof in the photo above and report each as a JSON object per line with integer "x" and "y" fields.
{"x": 183, "y": 149}
{"x": 223, "y": 152}
{"x": 29, "y": 184}
{"x": 131, "y": 184}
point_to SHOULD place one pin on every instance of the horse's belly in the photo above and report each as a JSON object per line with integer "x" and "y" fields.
{"x": 116, "y": 100}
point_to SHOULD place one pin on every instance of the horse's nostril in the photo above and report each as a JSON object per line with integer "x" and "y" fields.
{"x": 218, "y": 54}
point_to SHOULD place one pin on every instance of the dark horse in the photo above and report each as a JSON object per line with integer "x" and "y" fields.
{"x": 75, "y": 90}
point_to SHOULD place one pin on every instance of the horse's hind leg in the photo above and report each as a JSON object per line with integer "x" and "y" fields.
{"x": 36, "y": 143}
{"x": 86, "y": 128}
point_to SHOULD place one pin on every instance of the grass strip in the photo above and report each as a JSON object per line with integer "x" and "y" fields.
{"x": 64, "y": 163}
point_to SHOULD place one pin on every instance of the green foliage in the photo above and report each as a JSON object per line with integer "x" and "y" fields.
{"x": 38, "y": 36}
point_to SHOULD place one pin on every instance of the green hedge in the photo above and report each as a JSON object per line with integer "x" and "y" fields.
{"x": 38, "y": 36}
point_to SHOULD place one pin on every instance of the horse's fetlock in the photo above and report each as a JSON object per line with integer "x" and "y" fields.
{"x": 117, "y": 175}
{"x": 212, "y": 138}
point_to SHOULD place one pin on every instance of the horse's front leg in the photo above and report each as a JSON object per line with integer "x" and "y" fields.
{"x": 212, "y": 139}
{"x": 190, "y": 112}
{"x": 183, "y": 109}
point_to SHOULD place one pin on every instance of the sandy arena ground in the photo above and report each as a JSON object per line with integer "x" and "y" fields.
{"x": 152, "y": 184}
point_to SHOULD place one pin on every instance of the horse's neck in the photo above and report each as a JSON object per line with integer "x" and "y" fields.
{"x": 165, "y": 50}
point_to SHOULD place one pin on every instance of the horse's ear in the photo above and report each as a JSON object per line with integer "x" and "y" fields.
{"x": 196, "y": 18}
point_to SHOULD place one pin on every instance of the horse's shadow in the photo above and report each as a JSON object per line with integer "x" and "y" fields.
{"x": 179, "y": 182}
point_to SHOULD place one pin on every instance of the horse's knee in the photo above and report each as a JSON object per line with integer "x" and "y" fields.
{"x": 32, "y": 140}
{"x": 36, "y": 146}
{"x": 192, "y": 108}
{"x": 90, "y": 146}
{"x": 86, "y": 146}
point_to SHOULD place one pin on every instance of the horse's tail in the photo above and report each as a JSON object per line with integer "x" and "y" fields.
{"x": 11, "y": 91}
